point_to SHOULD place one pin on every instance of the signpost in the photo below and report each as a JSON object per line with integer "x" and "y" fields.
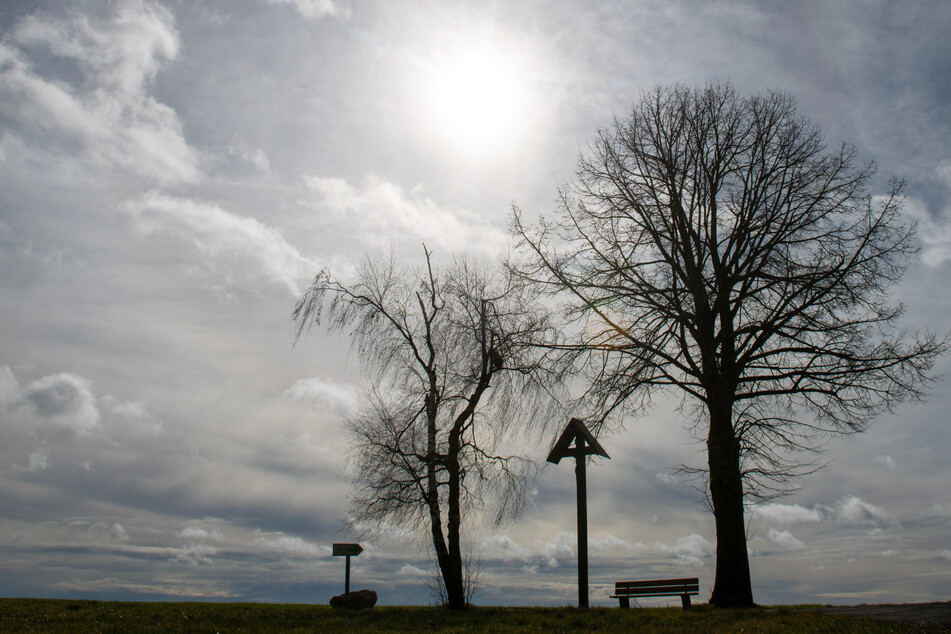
{"x": 348, "y": 551}
{"x": 585, "y": 444}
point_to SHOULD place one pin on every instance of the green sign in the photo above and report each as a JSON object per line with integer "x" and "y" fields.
{"x": 347, "y": 550}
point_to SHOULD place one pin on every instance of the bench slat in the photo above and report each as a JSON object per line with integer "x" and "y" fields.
{"x": 686, "y": 587}
{"x": 650, "y": 594}
{"x": 657, "y": 582}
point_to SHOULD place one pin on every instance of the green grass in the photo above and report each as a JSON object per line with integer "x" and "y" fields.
{"x": 53, "y": 615}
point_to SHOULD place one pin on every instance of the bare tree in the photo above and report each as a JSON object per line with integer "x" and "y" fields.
{"x": 713, "y": 244}
{"x": 458, "y": 367}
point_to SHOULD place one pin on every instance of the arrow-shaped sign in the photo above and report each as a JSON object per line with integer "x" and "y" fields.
{"x": 347, "y": 550}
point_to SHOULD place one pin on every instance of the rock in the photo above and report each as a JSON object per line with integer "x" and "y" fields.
{"x": 361, "y": 599}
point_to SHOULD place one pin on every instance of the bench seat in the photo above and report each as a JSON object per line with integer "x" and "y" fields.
{"x": 684, "y": 588}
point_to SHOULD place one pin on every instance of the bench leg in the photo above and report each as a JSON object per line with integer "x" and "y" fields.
{"x": 625, "y": 602}
{"x": 685, "y": 599}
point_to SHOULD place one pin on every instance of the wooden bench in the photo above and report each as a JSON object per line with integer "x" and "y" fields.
{"x": 624, "y": 590}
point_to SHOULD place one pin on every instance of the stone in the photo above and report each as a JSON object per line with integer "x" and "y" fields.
{"x": 359, "y": 600}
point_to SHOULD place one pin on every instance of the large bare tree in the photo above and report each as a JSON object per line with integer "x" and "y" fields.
{"x": 713, "y": 244}
{"x": 457, "y": 362}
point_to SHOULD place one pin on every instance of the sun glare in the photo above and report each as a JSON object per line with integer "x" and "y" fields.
{"x": 475, "y": 99}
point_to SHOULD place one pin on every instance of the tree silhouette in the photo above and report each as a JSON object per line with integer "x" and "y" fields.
{"x": 458, "y": 363}
{"x": 712, "y": 243}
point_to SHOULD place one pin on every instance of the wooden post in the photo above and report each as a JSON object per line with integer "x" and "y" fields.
{"x": 581, "y": 483}
{"x": 346, "y": 585}
{"x": 585, "y": 444}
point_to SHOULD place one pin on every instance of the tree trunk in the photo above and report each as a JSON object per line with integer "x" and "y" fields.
{"x": 452, "y": 574}
{"x": 732, "y": 586}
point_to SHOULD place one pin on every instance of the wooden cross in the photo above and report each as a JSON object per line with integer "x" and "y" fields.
{"x": 585, "y": 444}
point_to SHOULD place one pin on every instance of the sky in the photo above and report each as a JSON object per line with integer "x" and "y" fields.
{"x": 172, "y": 176}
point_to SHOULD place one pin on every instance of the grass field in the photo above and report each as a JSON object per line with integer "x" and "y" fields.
{"x": 52, "y": 615}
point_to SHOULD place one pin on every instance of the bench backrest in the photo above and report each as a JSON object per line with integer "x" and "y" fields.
{"x": 659, "y": 587}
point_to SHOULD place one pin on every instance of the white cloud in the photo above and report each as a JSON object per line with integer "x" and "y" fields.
{"x": 934, "y": 234}
{"x": 195, "y": 554}
{"x": 239, "y": 147}
{"x": 690, "y": 550}
{"x": 9, "y": 387}
{"x": 134, "y": 412}
{"x": 106, "y": 110}
{"x": 788, "y": 514}
{"x": 505, "y": 545}
{"x": 279, "y": 542}
{"x": 608, "y": 542}
{"x": 847, "y": 510}
{"x": 66, "y": 399}
{"x": 561, "y": 546}
{"x": 39, "y": 461}
{"x": 380, "y": 211}
{"x": 313, "y": 9}
{"x": 941, "y": 509}
{"x": 218, "y": 234}
{"x": 340, "y": 397}
{"x": 888, "y": 461}
{"x": 118, "y": 531}
{"x": 412, "y": 571}
{"x": 785, "y": 539}
{"x": 853, "y": 510}
{"x": 197, "y": 533}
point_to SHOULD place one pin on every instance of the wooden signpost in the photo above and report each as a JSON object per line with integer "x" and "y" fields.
{"x": 585, "y": 444}
{"x": 348, "y": 551}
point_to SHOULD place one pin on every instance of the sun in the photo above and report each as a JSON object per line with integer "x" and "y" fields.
{"x": 474, "y": 98}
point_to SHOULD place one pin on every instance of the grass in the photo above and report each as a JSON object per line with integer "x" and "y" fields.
{"x": 54, "y": 615}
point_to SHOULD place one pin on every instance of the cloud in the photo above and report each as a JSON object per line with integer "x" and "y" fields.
{"x": 118, "y": 531}
{"x": 279, "y": 542}
{"x": 195, "y": 555}
{"x": 104, "y": 112}
{"x": 934, "y": 234}
{"x": 9, "y": 387}
{"x": 853, "y": 510}
{"x": 847, "y": 510}
{"x": 608, "y": 542}
{"x": 505, "y": 545}
{"x": 888, "y": 461}
{"x": 66, "y": 399}
{"x": 785, "y": 539}
{"x": 788, "y": 514}
{"x": 690, "y": 550}
{"x": 39, "y": 461}
{"x": 218, "y": 234}
{"x": 315, "y": 9}
{"x": 133, "y": 413}
{"x": 561, "y": 546}
{"x": 382, "y": 211}
{"x": 338, "y": 396}
{"x": 412, "y": 571}
{"x": 239, "y": 147}
{"x": 197, "y": 533}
